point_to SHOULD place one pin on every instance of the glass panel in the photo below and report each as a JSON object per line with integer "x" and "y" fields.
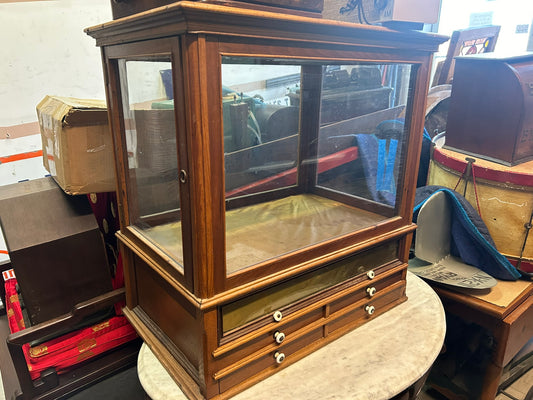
{"x": 260, "y": 125}
{"x": 148, "y": 106}
{"x": 361, "y": 124}
{"x": 313, "y": 151}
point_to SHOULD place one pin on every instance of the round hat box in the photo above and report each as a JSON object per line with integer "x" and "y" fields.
{"x": 504, "y": 196}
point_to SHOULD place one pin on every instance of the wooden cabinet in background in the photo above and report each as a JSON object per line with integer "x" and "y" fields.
{"x": 490, "y": 108}
{"x": 254, "y": 229}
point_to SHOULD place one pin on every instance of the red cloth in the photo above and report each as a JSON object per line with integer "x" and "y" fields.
{"x": 12, "y": 306}
{"x": 70, "y": 349}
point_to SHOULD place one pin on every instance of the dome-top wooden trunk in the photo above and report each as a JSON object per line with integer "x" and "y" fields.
{"x": 254, "y": 229}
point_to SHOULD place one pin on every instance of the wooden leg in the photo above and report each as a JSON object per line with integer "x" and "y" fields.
{"x": 491, "y": 382}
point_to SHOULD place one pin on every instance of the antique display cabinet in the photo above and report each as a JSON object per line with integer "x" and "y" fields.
{"x": 266, "y": 170}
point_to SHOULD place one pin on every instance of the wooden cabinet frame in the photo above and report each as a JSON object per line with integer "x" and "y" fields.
{"x": 178, "y": 310}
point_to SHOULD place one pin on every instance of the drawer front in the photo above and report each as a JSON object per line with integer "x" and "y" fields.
{"x": 271, "y": 360}
{"x": 369, "y": 309}
{"x": 279, "y": 334}
{"x": 256, "y": 308}
{"x": 372, "y": 288}
{"x": 275, "y": 356}
{"x": 286, "y": 323}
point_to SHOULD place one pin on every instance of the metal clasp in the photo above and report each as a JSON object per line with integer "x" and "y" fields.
{"x": 183, "y": 176}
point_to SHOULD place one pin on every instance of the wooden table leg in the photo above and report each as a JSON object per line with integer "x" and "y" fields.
{"x": 491, "y": 382}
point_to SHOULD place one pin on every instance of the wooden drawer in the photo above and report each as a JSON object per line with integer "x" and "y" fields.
{"x": 370, "y": 289}
{"x": 359, "y": 314}
{"x": 334, "y": 309}
{"x": 239, "y": 367}
{"x": 249, "y": 339}
{"x": 239, "y": 349}
{"x": 267, "y": 361}
{"x": 257, "y": 310}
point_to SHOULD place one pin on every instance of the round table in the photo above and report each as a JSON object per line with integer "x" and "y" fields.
{"x": 376, "y": 361}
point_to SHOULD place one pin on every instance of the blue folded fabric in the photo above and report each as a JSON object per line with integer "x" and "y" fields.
{"x": 378, "y": 161}
{"x": 471, "y": 240}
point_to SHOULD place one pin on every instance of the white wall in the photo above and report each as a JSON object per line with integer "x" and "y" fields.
{"x": 45, "y": 51}
{"x": 455, "y": 14}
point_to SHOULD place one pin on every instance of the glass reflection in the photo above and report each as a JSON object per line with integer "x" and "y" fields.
{"x": 148, "y": 107}
{"x": 313, "y": 151}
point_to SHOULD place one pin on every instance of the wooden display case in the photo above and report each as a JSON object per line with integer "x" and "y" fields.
{"x": 253, "y": 230}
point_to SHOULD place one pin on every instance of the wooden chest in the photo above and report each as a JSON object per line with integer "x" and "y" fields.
{"x": 491, "y": 108}
{"x": 55, "y": 247}
{"x": 276, "y": 235}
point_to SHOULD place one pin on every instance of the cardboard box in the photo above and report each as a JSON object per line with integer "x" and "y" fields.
{"x": 77, "y": 144}
{"x": 420, "y": 11}
{"x": 384, "y": 11}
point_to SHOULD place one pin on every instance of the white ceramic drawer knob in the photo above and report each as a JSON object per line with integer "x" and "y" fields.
{"x": 279, "y": 357}
{"x": 370, "y": 310}
{"x": 371, "y": 291}
{"x": 277, "y": 316}
{"x": 279, "y": 337}
{"x": 370, "y": 274}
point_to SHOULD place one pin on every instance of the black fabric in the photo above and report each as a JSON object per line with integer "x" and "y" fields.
{"x": 425, "y": 156}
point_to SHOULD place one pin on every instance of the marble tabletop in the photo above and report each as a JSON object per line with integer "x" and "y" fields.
{"x": 375, "y": 361}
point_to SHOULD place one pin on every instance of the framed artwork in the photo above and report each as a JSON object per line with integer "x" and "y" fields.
{"x": 463, "y": 42}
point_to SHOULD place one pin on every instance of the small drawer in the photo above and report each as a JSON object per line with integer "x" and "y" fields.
{"x": 368, "y": 290}
{"x": 271, "y": 360}
{"x": 369, "y": 309}
{"x": 283, "y": 330}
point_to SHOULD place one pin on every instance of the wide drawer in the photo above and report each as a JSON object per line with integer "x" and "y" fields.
{"x": 269, "y": 361}
{"x": 258, "y": 308}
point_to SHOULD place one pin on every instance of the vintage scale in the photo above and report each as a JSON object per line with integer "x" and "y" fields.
{"x": 266, "y": 167}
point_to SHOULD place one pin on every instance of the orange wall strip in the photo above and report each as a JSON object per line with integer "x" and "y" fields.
{"x": 21, "y": 156}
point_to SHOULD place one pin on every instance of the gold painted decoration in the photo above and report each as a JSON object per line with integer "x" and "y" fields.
{"x": 38, "y": 351}
{"x": 101, "y": 326}
{"x": 86, "y": 344}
